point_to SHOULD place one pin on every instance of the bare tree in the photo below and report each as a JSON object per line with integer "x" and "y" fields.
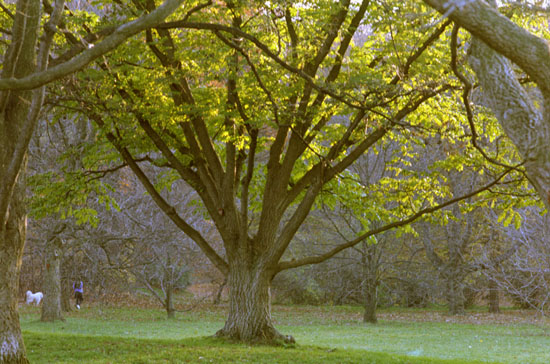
{"x": 138, "y": 239}
{"x": 166, "y": 270}
{"x": 458, "y": 235}
{"x": 525, "y": 274}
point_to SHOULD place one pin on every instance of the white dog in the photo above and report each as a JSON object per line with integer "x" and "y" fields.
{"x": 34, "y": 297}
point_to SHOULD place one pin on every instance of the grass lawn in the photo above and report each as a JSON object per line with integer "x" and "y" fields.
{"x": 324, "y": 335}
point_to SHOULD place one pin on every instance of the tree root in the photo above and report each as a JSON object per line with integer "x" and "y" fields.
{"x": 267, "y": 336}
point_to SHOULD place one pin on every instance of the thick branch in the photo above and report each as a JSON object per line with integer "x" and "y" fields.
{"x": 245, "y": 184}
{"x": 334, "y": 27}
{"x": 266, "y": 51}
{"x": 321, "y": 258}
{"x": 515, "y": 111}
{"x": 119, "y": 36}
{"x": 25, "y": 107}
{"x": 6, "y": 10}
{"x": 525, "y": 49}
{"x": 168, "y": 209}
{"x": 344, "y": 44}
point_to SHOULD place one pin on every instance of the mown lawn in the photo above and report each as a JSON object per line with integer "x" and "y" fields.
{"x": 324, "y": 335}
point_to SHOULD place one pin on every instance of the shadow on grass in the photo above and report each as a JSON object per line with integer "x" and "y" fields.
{"x": 63, "y": 348}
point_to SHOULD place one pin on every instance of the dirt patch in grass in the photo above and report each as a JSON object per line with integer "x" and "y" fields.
{"x": 505, "y": 317}
{"x": 300, "y": 315}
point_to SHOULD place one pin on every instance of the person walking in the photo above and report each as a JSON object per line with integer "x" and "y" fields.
{"x": 78, "y": 288}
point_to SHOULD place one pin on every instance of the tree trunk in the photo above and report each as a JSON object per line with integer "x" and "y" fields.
{"x": 370, "y": 282}
{"x": 66, "y": 294}
{"x": 16, "y": 124}
{"x": 455, "y": 295}
{"x": 370, "y": 303}
{"x": 168, "y": 304}
{"x": 12, "y": 240}
{"x": 249, "y": 316}
{"x": 51, "y": 306}
{"x": 494, "y": 302}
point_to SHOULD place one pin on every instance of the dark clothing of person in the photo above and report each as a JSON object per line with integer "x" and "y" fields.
{"x": 78, "y": 297}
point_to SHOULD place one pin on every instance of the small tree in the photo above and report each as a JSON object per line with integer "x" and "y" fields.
{"x": 525, "y": 275}
{"x": 165, "y": 271}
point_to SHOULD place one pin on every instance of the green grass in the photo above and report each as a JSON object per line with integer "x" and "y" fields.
{"x": 62, "y": 348}
{"x": 324, "y": 335}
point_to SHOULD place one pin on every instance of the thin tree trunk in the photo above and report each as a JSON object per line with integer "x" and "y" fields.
{"x": 218, "y": 297}
{"x": 66, "y": 293}
{"x": 169, "y": 305}
{"x": 249, "y": 316}
{"x": 455, "y": 295}
{"x": 494, "y": 302}
{"x": 370, "y": 284}
{"x": 370, "y": 303}
{"x": 12, "y": 240}
{"x": 51, "y": 306}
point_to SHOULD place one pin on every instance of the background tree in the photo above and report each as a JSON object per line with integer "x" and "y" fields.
{"x": 54, "y": 149}
{"x": 138, "y": 240}
{"x": 166, "y": 270}
{"x": 524, "y": 275}
{"x": 458, "y": 235}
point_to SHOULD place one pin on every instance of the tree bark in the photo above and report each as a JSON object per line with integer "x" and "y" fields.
{"x": 16, "y": 124}
{"x": 51, "y": 306}
{"x": 169, "y": 305}
{"x": 12, "y": 240}
{"x": 494, "y": 301}
{"x": 249, "y": 316}
{"x": 370, "y": 263}
{"x": 455, "y": 294}
{"x": 526, "y": 126}
{"x": 66, "y": 293}
{"x": 370, "y": 303}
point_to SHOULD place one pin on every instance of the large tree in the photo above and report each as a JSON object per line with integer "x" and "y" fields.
{"x": 18, "y": 115}
{"x": 284, "y": 86}
{"x": 25, "y": 67}
{"x": 261, "y": 109}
